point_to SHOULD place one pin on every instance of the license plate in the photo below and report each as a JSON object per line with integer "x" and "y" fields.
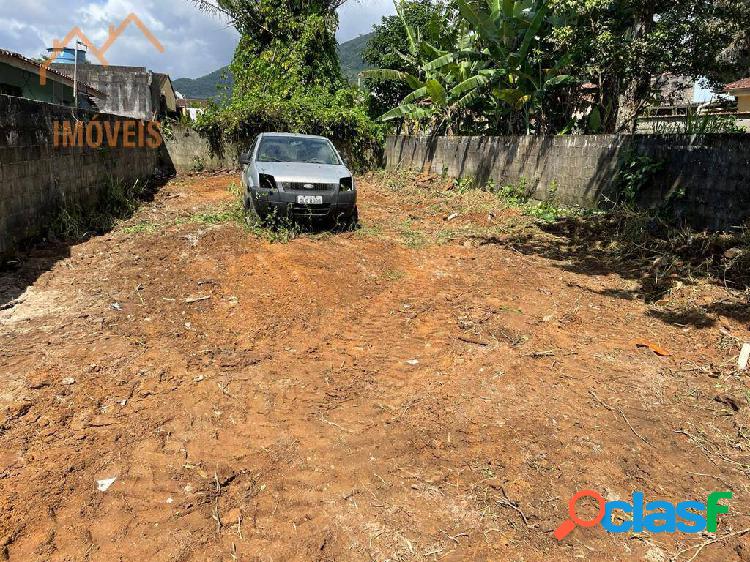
{"x": 310, "y": 199}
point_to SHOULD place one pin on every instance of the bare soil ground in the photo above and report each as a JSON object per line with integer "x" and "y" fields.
{"x": 420, "y": 389}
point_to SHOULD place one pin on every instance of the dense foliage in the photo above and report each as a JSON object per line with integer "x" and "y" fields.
{"x": 431, "y": 21}
{"x": 287, "y": 77}
{"x": 351, "y": 57}
{"x": 549, "y": 66}
{"x": 627, "y": 48}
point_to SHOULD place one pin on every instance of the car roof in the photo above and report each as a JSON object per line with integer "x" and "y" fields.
{"x": 291, "y": 135}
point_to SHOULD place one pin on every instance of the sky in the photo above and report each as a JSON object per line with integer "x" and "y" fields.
{"x": 195, "y": 43}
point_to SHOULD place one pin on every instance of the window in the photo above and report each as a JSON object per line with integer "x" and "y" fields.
{"x": 10, "y": 90}
{"x": 297, "y": 149}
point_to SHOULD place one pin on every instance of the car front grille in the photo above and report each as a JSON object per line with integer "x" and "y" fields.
{"x": 308, "y": 186}
{"x": 310, "y": 210}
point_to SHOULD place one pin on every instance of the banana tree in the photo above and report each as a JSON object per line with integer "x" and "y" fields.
{"x": 434, "y": 103}
{"x": 497, "y": 74}
{"x": 517, "y": 75}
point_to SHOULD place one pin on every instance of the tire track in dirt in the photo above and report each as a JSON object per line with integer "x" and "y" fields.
{"x": 263, "y": 400}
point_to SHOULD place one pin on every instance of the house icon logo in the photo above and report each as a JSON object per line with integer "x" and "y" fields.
{"x": 100, "y": 52}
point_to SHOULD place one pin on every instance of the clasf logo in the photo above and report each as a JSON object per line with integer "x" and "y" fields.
{"x": 652, "y": 517}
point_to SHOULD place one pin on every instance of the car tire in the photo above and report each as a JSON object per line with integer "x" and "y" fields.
{"x": 352, "y": 223}
{"x": 250, "y": 209}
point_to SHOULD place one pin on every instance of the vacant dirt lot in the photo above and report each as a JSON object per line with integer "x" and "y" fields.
{"x": 421, "y": 389}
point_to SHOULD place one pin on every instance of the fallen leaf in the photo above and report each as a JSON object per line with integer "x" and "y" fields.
{"x": 659, "y": 350}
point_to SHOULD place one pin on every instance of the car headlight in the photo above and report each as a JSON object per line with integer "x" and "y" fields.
{"x": 266, "y": 181}
{"x": 347, "y": 184}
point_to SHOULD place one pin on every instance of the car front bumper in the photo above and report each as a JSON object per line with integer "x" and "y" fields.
{"x": 284, "y": 204}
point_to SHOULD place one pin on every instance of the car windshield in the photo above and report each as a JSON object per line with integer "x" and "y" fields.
{"x": 297, "y": 149}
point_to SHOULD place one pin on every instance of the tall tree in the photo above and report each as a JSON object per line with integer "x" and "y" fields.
{"x": 626, "y": 46}
{"x": 287, "y": 76}
{"x": 285, "y": 45}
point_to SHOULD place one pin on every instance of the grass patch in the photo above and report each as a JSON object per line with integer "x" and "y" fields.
{"x": 410, "y": 237}
{"x": 141, "y": 228}
{"x": 117, "y": 201}
{"x": 393, "y": 275}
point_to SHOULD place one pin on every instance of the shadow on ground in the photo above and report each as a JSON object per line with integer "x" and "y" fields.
{"x": 36, "y": 257}
{"x": 17, "y": 274}
{"x": 659, "y": 258}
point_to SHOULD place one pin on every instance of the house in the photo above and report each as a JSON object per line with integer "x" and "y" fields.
{"x": 20, "y": 77}
{"x": 191, "y": 108}
{"x": 741, "y": 91}
{"x": 132, "y": 91}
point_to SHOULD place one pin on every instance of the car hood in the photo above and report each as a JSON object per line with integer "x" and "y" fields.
{"x": 299, "y": 172}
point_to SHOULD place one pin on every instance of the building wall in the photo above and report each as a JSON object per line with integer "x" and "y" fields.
{"x": 128, "y": 88}
{"x": 38, "y": 180}
{"x": 704, "y": 179}
{"x": 28, "y": 82}
{"x": 743, "y": 103}
{"x": 189, "y": 152}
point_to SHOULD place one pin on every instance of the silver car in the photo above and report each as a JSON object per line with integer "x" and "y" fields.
{"x": 298, "y": 176}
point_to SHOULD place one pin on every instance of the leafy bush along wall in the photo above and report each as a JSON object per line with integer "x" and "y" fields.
{"x": 701, "y": 181}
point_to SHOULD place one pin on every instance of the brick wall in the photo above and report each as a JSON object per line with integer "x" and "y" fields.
{"x": 705, "y": 179}
{"x": 37, "y": 179}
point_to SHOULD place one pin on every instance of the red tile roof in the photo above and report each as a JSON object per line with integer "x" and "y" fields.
{"x": 739, "y": 85}
{"x": 35, "y": 67}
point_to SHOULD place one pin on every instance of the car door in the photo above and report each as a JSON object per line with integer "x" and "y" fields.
{"x": 248, "y": 171}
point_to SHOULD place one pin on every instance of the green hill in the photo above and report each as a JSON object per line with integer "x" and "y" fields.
{"x": 204, "y": 87}
{"x": 350, "y": 54}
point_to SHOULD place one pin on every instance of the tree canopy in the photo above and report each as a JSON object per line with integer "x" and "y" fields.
{"x": 287, "y": 75}
{"x": 534, "y": 65}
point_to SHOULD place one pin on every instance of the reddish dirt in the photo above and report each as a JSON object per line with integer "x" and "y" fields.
{"x": 358, "y": 396}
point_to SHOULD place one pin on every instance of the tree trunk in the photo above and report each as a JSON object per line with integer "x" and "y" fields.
{"x": 638, "y": 89}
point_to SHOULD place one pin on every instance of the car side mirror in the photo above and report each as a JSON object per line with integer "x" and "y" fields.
{"x": 244, "y": 158}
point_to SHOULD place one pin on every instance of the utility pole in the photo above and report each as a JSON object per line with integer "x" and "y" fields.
{"x": 75, "y": 75}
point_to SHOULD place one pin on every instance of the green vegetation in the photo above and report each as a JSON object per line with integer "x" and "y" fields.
{"x": 494, "y": 78}
{"x": 117, "y": 200}
{"x": 288, "y": 78}
{"x": 634, "y": 173}
{"x": 432, "y": 22}
{"x": 220, "y": 83}
{"x": 519, "y": 66}
{"x": 351, "y": 57}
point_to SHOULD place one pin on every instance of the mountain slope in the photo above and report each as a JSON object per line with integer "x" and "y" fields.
{"x": 204, "y": 87}
{"x": 350, "y": 55}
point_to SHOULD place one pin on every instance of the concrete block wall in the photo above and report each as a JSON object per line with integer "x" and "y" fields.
{"x": 37, "y": 178}
{"x": 128, "y": 88}
{"x": 704, "y": 179}
{"x": 189, "y": 152}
